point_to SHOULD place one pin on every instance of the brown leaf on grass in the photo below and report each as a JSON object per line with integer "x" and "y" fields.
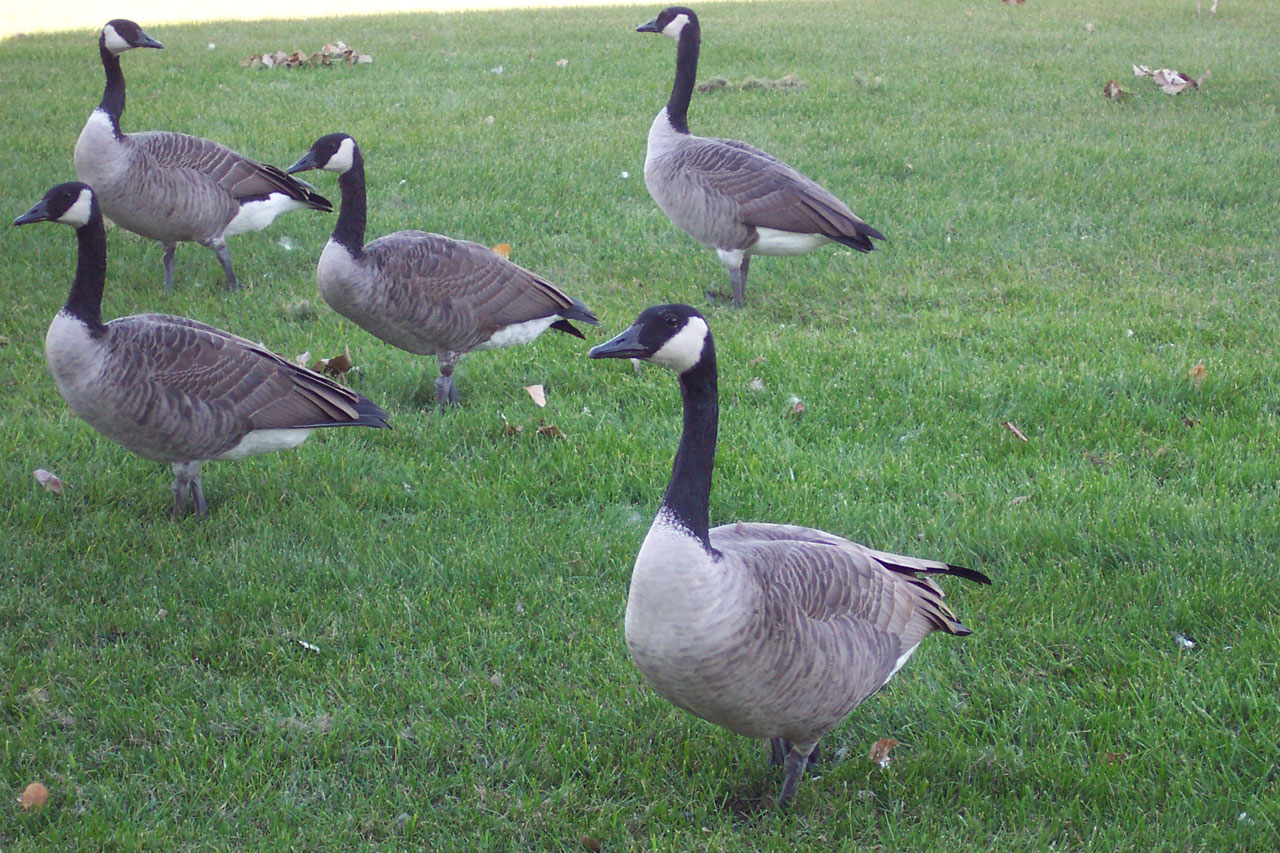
{"x": 4, "y": 340}
{"x": 1197, "y": 374}
{"x": 1014, "y": 2}
{"x": 787, "y": 81}
{"x": 509, "y": 428}
{"x": 335, "y": 366}
{"x": 503, "y": 249}
{"x": 1098, "y": 461}
{"x": 33, "y": 796}
{"x": 1114, "y": 757}
{"x": 756, "y": 384}
{"x": 1115, "y": 91}
{"x": 591, "y": 844}
{"x": 49, "y": 480}
{"x": 1011, "y": 427}
{"x": 880, "y": 751}
{"x": 797, "y": 408}
{"x": 1190, "y": 422}
{"x": 550, "y": 430}
{"x": 1170, "y": 81}
{"x": 539, "y": 396}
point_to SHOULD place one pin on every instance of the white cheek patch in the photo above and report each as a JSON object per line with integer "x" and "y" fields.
{"x": 342, "y": 159}
{"x": 684, "y": 350}
{"x": 78, "y": 213}
{"x": 114, "y": 41}
{"x": 672, "y": 30}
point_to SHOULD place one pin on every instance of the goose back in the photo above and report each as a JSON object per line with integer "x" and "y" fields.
{"x": 172, "y": 389}
{"x": 428, "y": 293}
{"x": 782, "y": 633}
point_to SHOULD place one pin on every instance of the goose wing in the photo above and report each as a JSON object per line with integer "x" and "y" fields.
{"x": 206, "y": 389}
{"x": 465, "y": 285}
{"x": 768, "y": 193}
{"x": 241, "y": 177}
{"x": 829, "y": 578}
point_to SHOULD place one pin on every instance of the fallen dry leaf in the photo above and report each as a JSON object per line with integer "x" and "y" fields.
{"x": 1170, "y": 81}
{"x": 561, "y": 63}
{"x": 49, "y": 480}
{"x": 880, "y": 751}
{"x": 797, "y": 408}
{"x": 539, "y": 396}
{"x": 509, "y": 428}
{"x": 1014, "y": 2}
{"x": 1011, "y": 427}
{"x": 335, "y": 366}
{"x": 756, "y": 384}
{"x": 758, "y": 360}
{"x": 1115, "y": 91}
{"x": 1190, "y": 422}
{"x": 1197, "y": 374}
{"x": 550, "y": 430}
{"x": 503, "y": 249}
{"x": 1114, "y": 757}
{"x": 34, "y": 796}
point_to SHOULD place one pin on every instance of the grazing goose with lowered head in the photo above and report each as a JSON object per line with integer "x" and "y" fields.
{"x": 770, "y": 630}
{"x": 172, "y": 187}
{"x": 171, "y": 389}
{"x": 426, "y": 293}
{"x": 728, "y": 195}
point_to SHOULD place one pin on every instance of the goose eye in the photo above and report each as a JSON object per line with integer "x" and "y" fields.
{"x": 671, "y": 320}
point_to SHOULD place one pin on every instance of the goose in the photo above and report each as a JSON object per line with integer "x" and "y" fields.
{"x": 171, "y": 389}
{"x": 729, "y": 195}
{"x": 426, "y": 293}
{"x": 769, "y": 630}
{"x": 172, "y": 187}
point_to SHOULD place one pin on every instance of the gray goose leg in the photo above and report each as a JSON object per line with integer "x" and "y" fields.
{"x": 186, "y": 486}
{"x": 738, "y": 278}
{"x": 446, "y": 391}
{"x": 220, "y": 249}
{"x": 796, "y": 761}
{"x": 779, "y": 747}
{"x": 169, "y": 249}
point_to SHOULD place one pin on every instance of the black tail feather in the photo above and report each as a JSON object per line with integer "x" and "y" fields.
{"x": 568, "y": 328}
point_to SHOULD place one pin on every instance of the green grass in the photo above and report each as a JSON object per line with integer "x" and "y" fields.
{"x": 1056, "y": 260}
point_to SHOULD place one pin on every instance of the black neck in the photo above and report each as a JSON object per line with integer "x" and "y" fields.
{"x": 113, "y": 94}
{"x": 85, "y": 301}
{"x": 349, "y": 230}
{"x": 686, "y": 75}
{"x": 689, "y": 492}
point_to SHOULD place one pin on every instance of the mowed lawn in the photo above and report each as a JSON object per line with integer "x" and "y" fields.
{"x": 413, "y": 638}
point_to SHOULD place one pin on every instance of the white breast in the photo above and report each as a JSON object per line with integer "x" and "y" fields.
{"x": 100, "y": 158}
{"x": 73, "y": 358}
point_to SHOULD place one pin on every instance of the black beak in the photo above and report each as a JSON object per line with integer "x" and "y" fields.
{"x": 625, "y": 345}
{"x": 39, "y": 213}
{"x": 144, "y": 40}
{"x": 305, "y": 164}
{"x": 651, "y": 27}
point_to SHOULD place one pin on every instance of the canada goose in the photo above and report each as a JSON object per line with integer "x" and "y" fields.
{"x": 427, "y": 293}
{"x": 173, "y": 187}
{"x": 726, "y": 194}
{"x": 171, "y": 389}
{"x": 772, "y": 631}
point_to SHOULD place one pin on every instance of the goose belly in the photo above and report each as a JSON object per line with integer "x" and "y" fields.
{"x": 256, "y": 215}
{"x": 771, "y": 241}
{"x": 266, "y": 441}
{"x": 518, "y": 333}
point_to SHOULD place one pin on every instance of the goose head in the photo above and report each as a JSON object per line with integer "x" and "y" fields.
{"x": 71, "y": 203}
{"x": 670, "y": 22}
{"x": 334, "y": 152}
{"x": 121, "y": 35}
{"x": 671, "y": 336}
